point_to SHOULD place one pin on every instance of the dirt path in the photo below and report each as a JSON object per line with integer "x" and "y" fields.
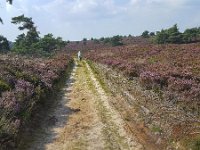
{"x": 83, "y": 119}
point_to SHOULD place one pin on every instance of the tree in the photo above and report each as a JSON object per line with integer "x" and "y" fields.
{"x": 96, "y": 41}
{"x": 191, "y": 35}
{"x": 32, "y": 36}
{"x": 24, "y": 42}
{"x": 49, "y": 44}
{"x": 152, "y": 34}
{"x": 84, "y": 41}
{"x": 60, "y": 43}
{"x": 101, "y": 39}
{"x": 116, "y": 40}
{"x": 20, "y": 45}
{"x": 161, "y": 37}
{"x": 170, "y": 35}
{"x": 4, "y": 44}
{"x": 174, "y": 35}
{"x": 107, "y": 40}
{"x": 145, "y": 34}
{"x": 25, "y": 22}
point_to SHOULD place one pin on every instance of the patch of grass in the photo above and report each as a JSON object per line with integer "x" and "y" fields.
{"x": 80, "y": 144}
{"x": 90, "y": 84}
{"x": 156, "y": 129}
{"x": 112, "y": 138}
{"x": 159, "y": 92}
{"x": 153, "y": 60}
{"x": 196, "y": 145}
{"x": 110, "y": 131}
{"x": 196, "y": 70}
{"x": 4, "y": 86}
{"x": 98, "y": 76}
{"x": 192, "y": 143}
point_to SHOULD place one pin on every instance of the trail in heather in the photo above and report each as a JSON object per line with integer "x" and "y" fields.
{"x": 83, "y": 118}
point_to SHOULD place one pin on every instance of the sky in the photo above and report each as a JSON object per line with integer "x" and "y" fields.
{"x": 78, "y": 19}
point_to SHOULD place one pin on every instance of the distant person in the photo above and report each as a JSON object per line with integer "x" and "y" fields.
{"x": 79, "y": 56}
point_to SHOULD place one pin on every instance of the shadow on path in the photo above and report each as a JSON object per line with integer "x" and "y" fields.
{"x": 52, "y": 118}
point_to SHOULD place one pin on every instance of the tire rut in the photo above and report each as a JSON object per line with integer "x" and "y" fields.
{"x": 114, "y": 133}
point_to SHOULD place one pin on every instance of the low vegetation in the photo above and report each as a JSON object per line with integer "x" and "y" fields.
{"x": 162, "y": 78}
{"x": 166, "y": 63}
{"x": 24, "y": 83}
{"x": 173, "y": 35}
{"x": 157, "y": 67}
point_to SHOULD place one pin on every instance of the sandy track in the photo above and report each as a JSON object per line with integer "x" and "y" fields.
{"x": 83, "y": 119}
{"x": 114, "y": 125}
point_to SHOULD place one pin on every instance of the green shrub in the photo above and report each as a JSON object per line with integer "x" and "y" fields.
{"x": 4, "y": 86}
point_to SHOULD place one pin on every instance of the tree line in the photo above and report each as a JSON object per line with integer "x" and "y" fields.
{"x": 173, "y": 35}
{"x": 116, "y": 40}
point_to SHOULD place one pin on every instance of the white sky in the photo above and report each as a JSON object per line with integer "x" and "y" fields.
{"x": 78, "y": 19}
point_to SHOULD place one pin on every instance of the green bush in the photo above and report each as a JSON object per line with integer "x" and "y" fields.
{"x": 173, "y": 35}
{"x": 4, "y": 44}
{"x": 4, "y": 86}
{"x": 116, "y": 40}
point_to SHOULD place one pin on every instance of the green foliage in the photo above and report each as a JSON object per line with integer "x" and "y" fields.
{"x": 3, "y": 86}
{"x": 47, "y": 43}
{"x": 196, "y": 145}
{"x": 152, "y": 34}
{"x": 31, "y": 43}
{"x": 161, "y": 37}
{"x": 26, "y": 23}
{"x": 116, "y": 40}
{"x": 60, "y": 43}
{"x": 96, "y": 41}
{"x": 4, "y": 44}
{"x": 145, "y": 34}
{"x": 25, "y": 76}
{"x": 32, "y": 36}
{"x": 156, "y": 129}
{"x": 84, "y": 41}
{"x": 192, "y": 143}
{"x": 24, "y": 42}
{"x": 191, "y": 35}
{"x": 101, "y": 39}
{"x": 107, "y": 40}
{"x": 173, "y": 35}
{"x": 153, "y": 60}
